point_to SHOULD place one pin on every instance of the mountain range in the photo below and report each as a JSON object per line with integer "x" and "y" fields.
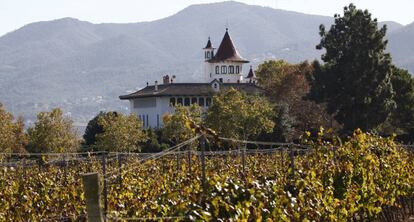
{"x": 84, "y": 67}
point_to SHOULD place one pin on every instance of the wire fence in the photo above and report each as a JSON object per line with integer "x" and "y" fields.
{"x": 120, "y": 166}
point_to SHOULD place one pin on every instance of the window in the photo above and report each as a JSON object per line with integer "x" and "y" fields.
{"x": 201, "y": 101}
{"x": 186, "y": 101}
{"x": 208, "y": 101}
{"x": 215, "y": 85}
{"x": 217, "y": 70}
{"x": 237, "y": 69}
{"x": 223, "y": 69}
{"x": 221, "y": 79}
{"x": 180, "y": 101}
{"x": 208, "y": 55}
{"x": 143, "y": 120}
{"x": 172, "y": 101}
{"x": 194, "y": 100}
{"x": 147, "y": 121}
{"x": 231, "y": 69}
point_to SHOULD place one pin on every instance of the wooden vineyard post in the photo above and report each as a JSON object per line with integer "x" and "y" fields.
{"x": 244, "y": 159}
{"x": 24, "y": 169}
{"x": 120, "y": 169}
{"x": 65, "y": 169}
{"x": 203, "y": 164}
{"x": 105, "y": 188}
{"x": 292, "y": 161}
{"x": 189, "y": 159}
{"x": 92, "y": 198}
{"x": 178, "y": 160}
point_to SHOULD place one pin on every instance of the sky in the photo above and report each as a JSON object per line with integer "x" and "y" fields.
{"x": 16, "y": 13}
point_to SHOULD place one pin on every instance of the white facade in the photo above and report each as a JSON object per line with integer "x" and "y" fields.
{"x": 151, "y": 110}
{"x": 225, "y": 72}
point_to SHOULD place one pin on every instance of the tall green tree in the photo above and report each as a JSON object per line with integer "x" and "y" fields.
{"x": 285, "y": 86}
{"x": 177, "y": 126}
{"x": 121, "y": 133}
{"x": 12, "y": 135}
{"x": 355, "y": 80}
{"x": 237, "y": 115}
{"x": 53, "y": 132}
{"x": 93, "y": 128}
{"x": 401, "y": 120}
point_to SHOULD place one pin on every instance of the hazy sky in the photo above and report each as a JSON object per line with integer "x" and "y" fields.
{"x": 16, "y": 13}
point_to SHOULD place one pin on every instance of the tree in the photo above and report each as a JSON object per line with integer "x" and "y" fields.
{"x": 52, "y": 132}
{"x": 355, "y": 80}
{"x": 121, "y": 133}
{"x": 284, "y": 129}
{"x": 20, "y": 137}
{"x": 12, "y": 136}
{"x": 93, "y": 128}
{"x": 237, "y": 115}
{"x": 286, "y": 85}
{"x": 401, "y": 120}
{"x": 154, "y": 142}
{"x": 6, "y": 130}
{"x": 176, "y": 126}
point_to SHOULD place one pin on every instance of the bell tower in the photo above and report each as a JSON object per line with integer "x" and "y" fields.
{"x": 208, "y": 55}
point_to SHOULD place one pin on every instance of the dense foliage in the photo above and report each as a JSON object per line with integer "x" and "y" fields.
{"x": 355, "y": 79}
{"x": 93, "y": 128}
{"x": 12, "y": 135}
{"x": 120, "y": 133}
{"x": 176, "y": 128}
{"x": 286, "y": 86}
{"x": 363, "y": 179}
{"x": 52, "y": 132}
{"x": 237, "y": 115}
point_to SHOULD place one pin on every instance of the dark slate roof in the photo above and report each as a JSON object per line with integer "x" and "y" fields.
{"x": 251, "y": 74}
{"x": 190, "y": 89}
{"x": 227, "y": 51}
{"x": 209, "y": 45}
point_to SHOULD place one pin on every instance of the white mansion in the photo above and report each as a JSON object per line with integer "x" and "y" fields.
{"x": 222, "y": 70}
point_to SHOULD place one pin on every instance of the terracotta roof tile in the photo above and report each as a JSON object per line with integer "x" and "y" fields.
{"x": 227, "y": 51}
{"x": 190, "y": 89}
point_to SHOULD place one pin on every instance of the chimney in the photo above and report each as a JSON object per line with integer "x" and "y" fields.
{"x": 156, "y": 86}
{"x": 166, "y": 79}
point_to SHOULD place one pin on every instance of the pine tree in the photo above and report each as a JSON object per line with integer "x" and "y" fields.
{"x": 355, "y": 80}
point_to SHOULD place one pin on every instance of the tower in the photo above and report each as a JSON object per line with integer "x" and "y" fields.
{"x": 208, "y": 54}
{"x": 226, "y": 65}
{"x": 251, "y": 76}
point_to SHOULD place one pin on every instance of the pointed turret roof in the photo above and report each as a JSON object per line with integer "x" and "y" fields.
{"x": 251, "y": 74}
{"x": 209, "y": 45}
{"x": 227, "y": 51}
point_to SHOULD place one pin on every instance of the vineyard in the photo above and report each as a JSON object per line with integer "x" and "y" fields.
{"x": 367, "y": 178}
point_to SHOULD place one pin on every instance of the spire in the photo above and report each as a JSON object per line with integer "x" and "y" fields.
{"x": 251, "y": 74}
{"x": 227, "y": 51}
{"x": 209, "y": 45}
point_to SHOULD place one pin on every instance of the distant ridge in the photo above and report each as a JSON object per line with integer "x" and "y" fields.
{"x": 84, "y": 67}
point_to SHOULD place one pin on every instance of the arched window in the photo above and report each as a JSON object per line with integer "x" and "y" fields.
{"x": 237, "y": 69}
{"x": 186, "y": 101}
{"x": 194, "y": 100}
{"x": 180, "y": 101}
{"x": 208, "y": 101}
{"x": 201, "y": 101}
{"x": 231, "y": 69}
{"x": 224, "y": 69}
{"x": 217, "y": 70}
{"x": 172, "y": 101}
{"x": 208, "y": 55}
